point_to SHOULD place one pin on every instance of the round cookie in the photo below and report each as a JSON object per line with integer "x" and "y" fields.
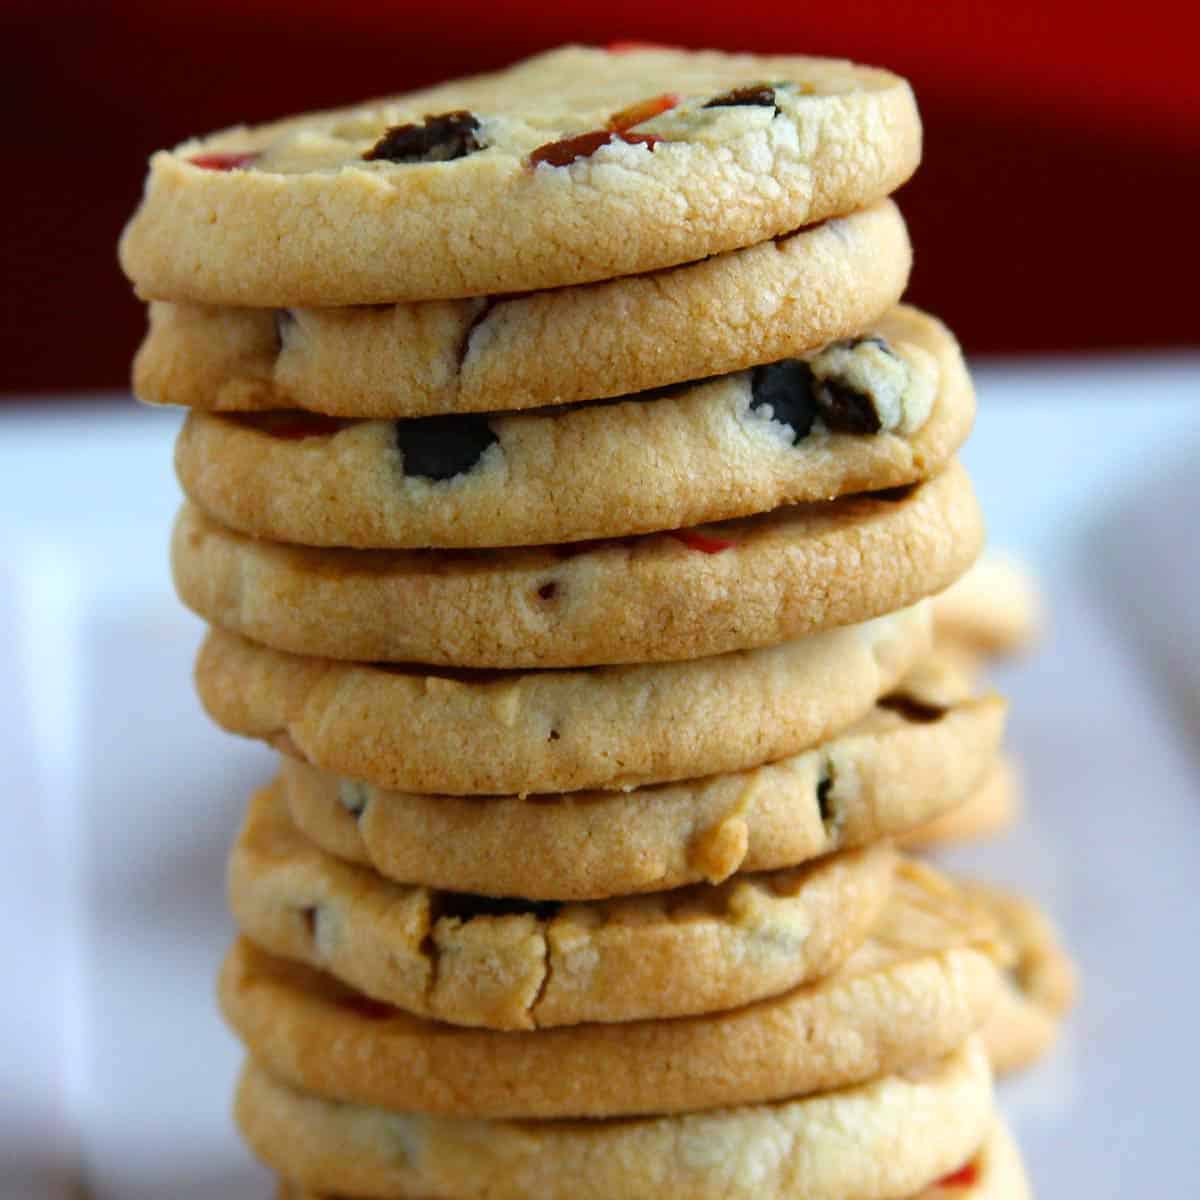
{"x": 781, "y": 298}
{"x": 484, "y": 185}
{"x": 994, "y": 1172}
{"x": 880, "y": 411}
{"x": 550, "y": 731}
{"x": 772, "y": 578}
{"x": 898, "y": 766}
{"x": 1039, "y": 984}
{"x": 818, "y": 1148}
{"x": 994, "y": 610}
{"x": 523, "y": 965}
{"x": 920, "y": 984}
{"x": 986, "y": 812}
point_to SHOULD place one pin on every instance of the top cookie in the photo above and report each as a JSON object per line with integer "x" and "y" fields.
{"x": 578, "y": 165}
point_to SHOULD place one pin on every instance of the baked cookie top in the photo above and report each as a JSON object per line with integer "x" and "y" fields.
{"x": 882, "y": 1140}
{"x": 521, "y": 964}
{"x": 577, "y": 165}
{"x": 920, "y": 984}
{"x": 876, "y": 411}
{"x": 780, "y": 298}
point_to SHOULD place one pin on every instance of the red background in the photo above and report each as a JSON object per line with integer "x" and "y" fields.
{"x": 1056, "y": 209}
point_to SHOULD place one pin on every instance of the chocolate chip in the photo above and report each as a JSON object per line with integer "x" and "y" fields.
{"x": 438, "y": 139}
{"x": 845, "y": 410}
{"x": 548, "y": 590}
{"x": 285, "y": 319}
{"x": 757, "y": 95}
{"x": 467, "y": 907}
{"x": 824, "y": 787}
{"x": 443, "y": 447}
{"x": 787, "y": 389}
{"x": 913, "y": 710}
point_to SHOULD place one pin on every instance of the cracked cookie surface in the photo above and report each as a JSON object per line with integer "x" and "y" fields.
{"x": 310, "y": 211}
{"x": 921, "y": 982}
{"x": 786, "y": 297}
{"x": 471, "y": 733}
{"x": 881, "y": 411}
{"x": 517, "y": 964}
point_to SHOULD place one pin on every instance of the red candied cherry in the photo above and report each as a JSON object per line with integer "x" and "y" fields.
{"x": 629, "y": 45}
{"x": 222, "y": 162}
{"x": 693, "y": 539}
{"x": 635, "y": 114}
{"x": 966, "y": 1176}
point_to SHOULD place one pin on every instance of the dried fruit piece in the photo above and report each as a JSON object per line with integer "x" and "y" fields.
{"x": 440, "y": 138}
{"x": 644, "y": 110}
{"x": 629, "y": 45}
{"x": 966, "y": 1176}
{"x": 565, "y": 152}
{"x": 443, "y": 447}
{"x": 757, "y": 95}
{"x": 786, "y": 388}
{"x": 704, "y": 542}
{"x": 845, "y": 410}
{"x": 222, "y": 162}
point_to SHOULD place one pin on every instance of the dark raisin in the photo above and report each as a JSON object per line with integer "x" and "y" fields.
{"x": 845, "y": 410}
{"x": 554, "y": 736}
{"x": 442, "y": 447}
{"x": 563, "y": 153}
{"x": 824, "y": 787}
{"x": 787, "y": 389}
{"x": 894, "y": 495}
{"x": 548, "y": 590}
{"x": 438, "y": 139}
{"x": 467, "y": 907}
{"x": 757, "y": 95}
{"x": 284, "y": 320}
{"x": 913, "y": 710}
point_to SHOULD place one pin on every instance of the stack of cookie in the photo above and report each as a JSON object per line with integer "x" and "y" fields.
{"x": 565, "y": 483}
{"x": 993, "y": 612}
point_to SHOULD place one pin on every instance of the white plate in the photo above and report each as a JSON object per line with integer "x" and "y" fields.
{"x": 123, "y": 799}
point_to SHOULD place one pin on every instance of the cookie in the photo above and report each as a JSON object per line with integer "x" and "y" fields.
{"x": 877, "y": 1141}
{"x": 495, "y": 733}
{"x": 879, "y": 411}
{"x": 574, "y": 166}
{"x": 993, "y": 1172}
{"x": 1039, "y": 984}
{"x": 898, "y": 766}
{"x": 993, "y": 610}
{"x": 784, "y": 297}
{"x": 520, "y": 964}
{"x": 986, "y": 812}
{"x": 921, "y": 983}
{"x": 751, "y": 582}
